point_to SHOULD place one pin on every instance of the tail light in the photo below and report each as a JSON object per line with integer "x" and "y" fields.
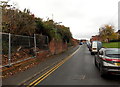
{"x": 115, "y": 60}
{"x": 94, "y": 48}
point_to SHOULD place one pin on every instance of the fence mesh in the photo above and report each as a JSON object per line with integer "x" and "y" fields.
{"x": 21, "y": 47}
{"x": 18, "y": 48}
{"x": 5, "y": 48}
{"x": 41, "y": 42}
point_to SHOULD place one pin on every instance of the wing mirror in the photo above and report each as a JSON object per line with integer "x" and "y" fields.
{"x": 101, "y": 54}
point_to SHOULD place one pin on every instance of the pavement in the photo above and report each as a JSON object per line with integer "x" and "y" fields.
{"x": 34, "y": 72}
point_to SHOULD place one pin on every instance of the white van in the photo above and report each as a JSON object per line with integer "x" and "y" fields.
{"x": 95, "y": 47}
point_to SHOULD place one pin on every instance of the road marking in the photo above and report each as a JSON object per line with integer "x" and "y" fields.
{"x": 23, "y": 82}
{"x": 45, "y": 75}
{"x": 82, "y": 77}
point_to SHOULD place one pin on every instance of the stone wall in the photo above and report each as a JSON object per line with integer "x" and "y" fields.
{"x": 57, "y": 46}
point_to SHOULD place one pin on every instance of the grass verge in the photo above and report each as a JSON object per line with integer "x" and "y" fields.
{"x": 111, "y": 44}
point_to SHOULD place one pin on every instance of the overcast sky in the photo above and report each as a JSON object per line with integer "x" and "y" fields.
{"x": 84, "y": 17}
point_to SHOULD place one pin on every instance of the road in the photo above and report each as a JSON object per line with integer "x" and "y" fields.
{"x": 78, "y": 70}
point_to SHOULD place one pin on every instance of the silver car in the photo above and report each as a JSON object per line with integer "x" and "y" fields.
{"x": 108, "y": 61}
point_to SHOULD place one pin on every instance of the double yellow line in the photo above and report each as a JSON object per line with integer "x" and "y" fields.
{"x": 45, "y": 75}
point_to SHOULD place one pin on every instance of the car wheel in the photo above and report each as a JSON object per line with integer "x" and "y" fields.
{"x": 92, "y": 53}
{"x": 102, "y": 72}
{"x": 95, "y": 62}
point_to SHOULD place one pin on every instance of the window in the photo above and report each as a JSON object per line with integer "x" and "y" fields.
{"x": 113, "y": 53}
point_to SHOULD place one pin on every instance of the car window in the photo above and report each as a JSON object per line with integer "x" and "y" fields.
{"x": 113, "y": 53}
{"x": 94, "y": 44}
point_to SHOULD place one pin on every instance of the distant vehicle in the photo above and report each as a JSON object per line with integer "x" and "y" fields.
{"x": 80, "y": 43}
{"x": 88, "y": 45}
{"x": 108, "y": 61}
{"x": 95, "y": 47}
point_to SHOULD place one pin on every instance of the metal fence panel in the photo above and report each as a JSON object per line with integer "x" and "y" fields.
{"x": 21, "y": 47}
{"x": 5, "y": 48}
{"x": 41, "y": 42}
{"x": 18, "y": 48}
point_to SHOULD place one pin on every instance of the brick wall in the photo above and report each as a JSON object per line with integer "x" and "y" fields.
{"x": 57, "y": 46}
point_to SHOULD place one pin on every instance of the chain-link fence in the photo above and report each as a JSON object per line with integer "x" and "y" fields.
{"x": 18, "y": 48}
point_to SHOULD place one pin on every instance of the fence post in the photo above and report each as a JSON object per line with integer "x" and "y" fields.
{"x": 9, "y": 53}
{"x": 1, "y": 43}
{"x": 47, "y": 40}
{"x": 35, "y": 44}
{"x": 29, "y": 41}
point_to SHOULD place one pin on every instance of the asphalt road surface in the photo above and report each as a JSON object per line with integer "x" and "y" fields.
{"x": 79, "y": 70}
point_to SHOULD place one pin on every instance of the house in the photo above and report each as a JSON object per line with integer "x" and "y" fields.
{"x": 95, "y": 38}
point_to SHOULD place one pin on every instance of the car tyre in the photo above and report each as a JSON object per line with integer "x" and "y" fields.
{"x": 95, "y": 62}
{"x": 102, "y": 72}
{"x": 92, "y": 53}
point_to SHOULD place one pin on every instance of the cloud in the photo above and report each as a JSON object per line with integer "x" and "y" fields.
{"x": 84, "y": 17}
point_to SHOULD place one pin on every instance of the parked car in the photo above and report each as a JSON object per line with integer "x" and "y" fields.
{"x": 108, "y": 61}
{"x": 95, "y": 47}
{"x": 89, "y": 45}
{"x": 81, "y": 43}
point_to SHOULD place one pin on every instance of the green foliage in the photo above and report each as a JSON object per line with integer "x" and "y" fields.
{"x": 39, "y": 26}
{"x": 65, "y": 33}
{"x": 107, "y": 33}
{"x": 49, "y": 29}
{"x": 17, "y": 22}
{"x": 24, "y": 22}
{"x": 112, "y": 45}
